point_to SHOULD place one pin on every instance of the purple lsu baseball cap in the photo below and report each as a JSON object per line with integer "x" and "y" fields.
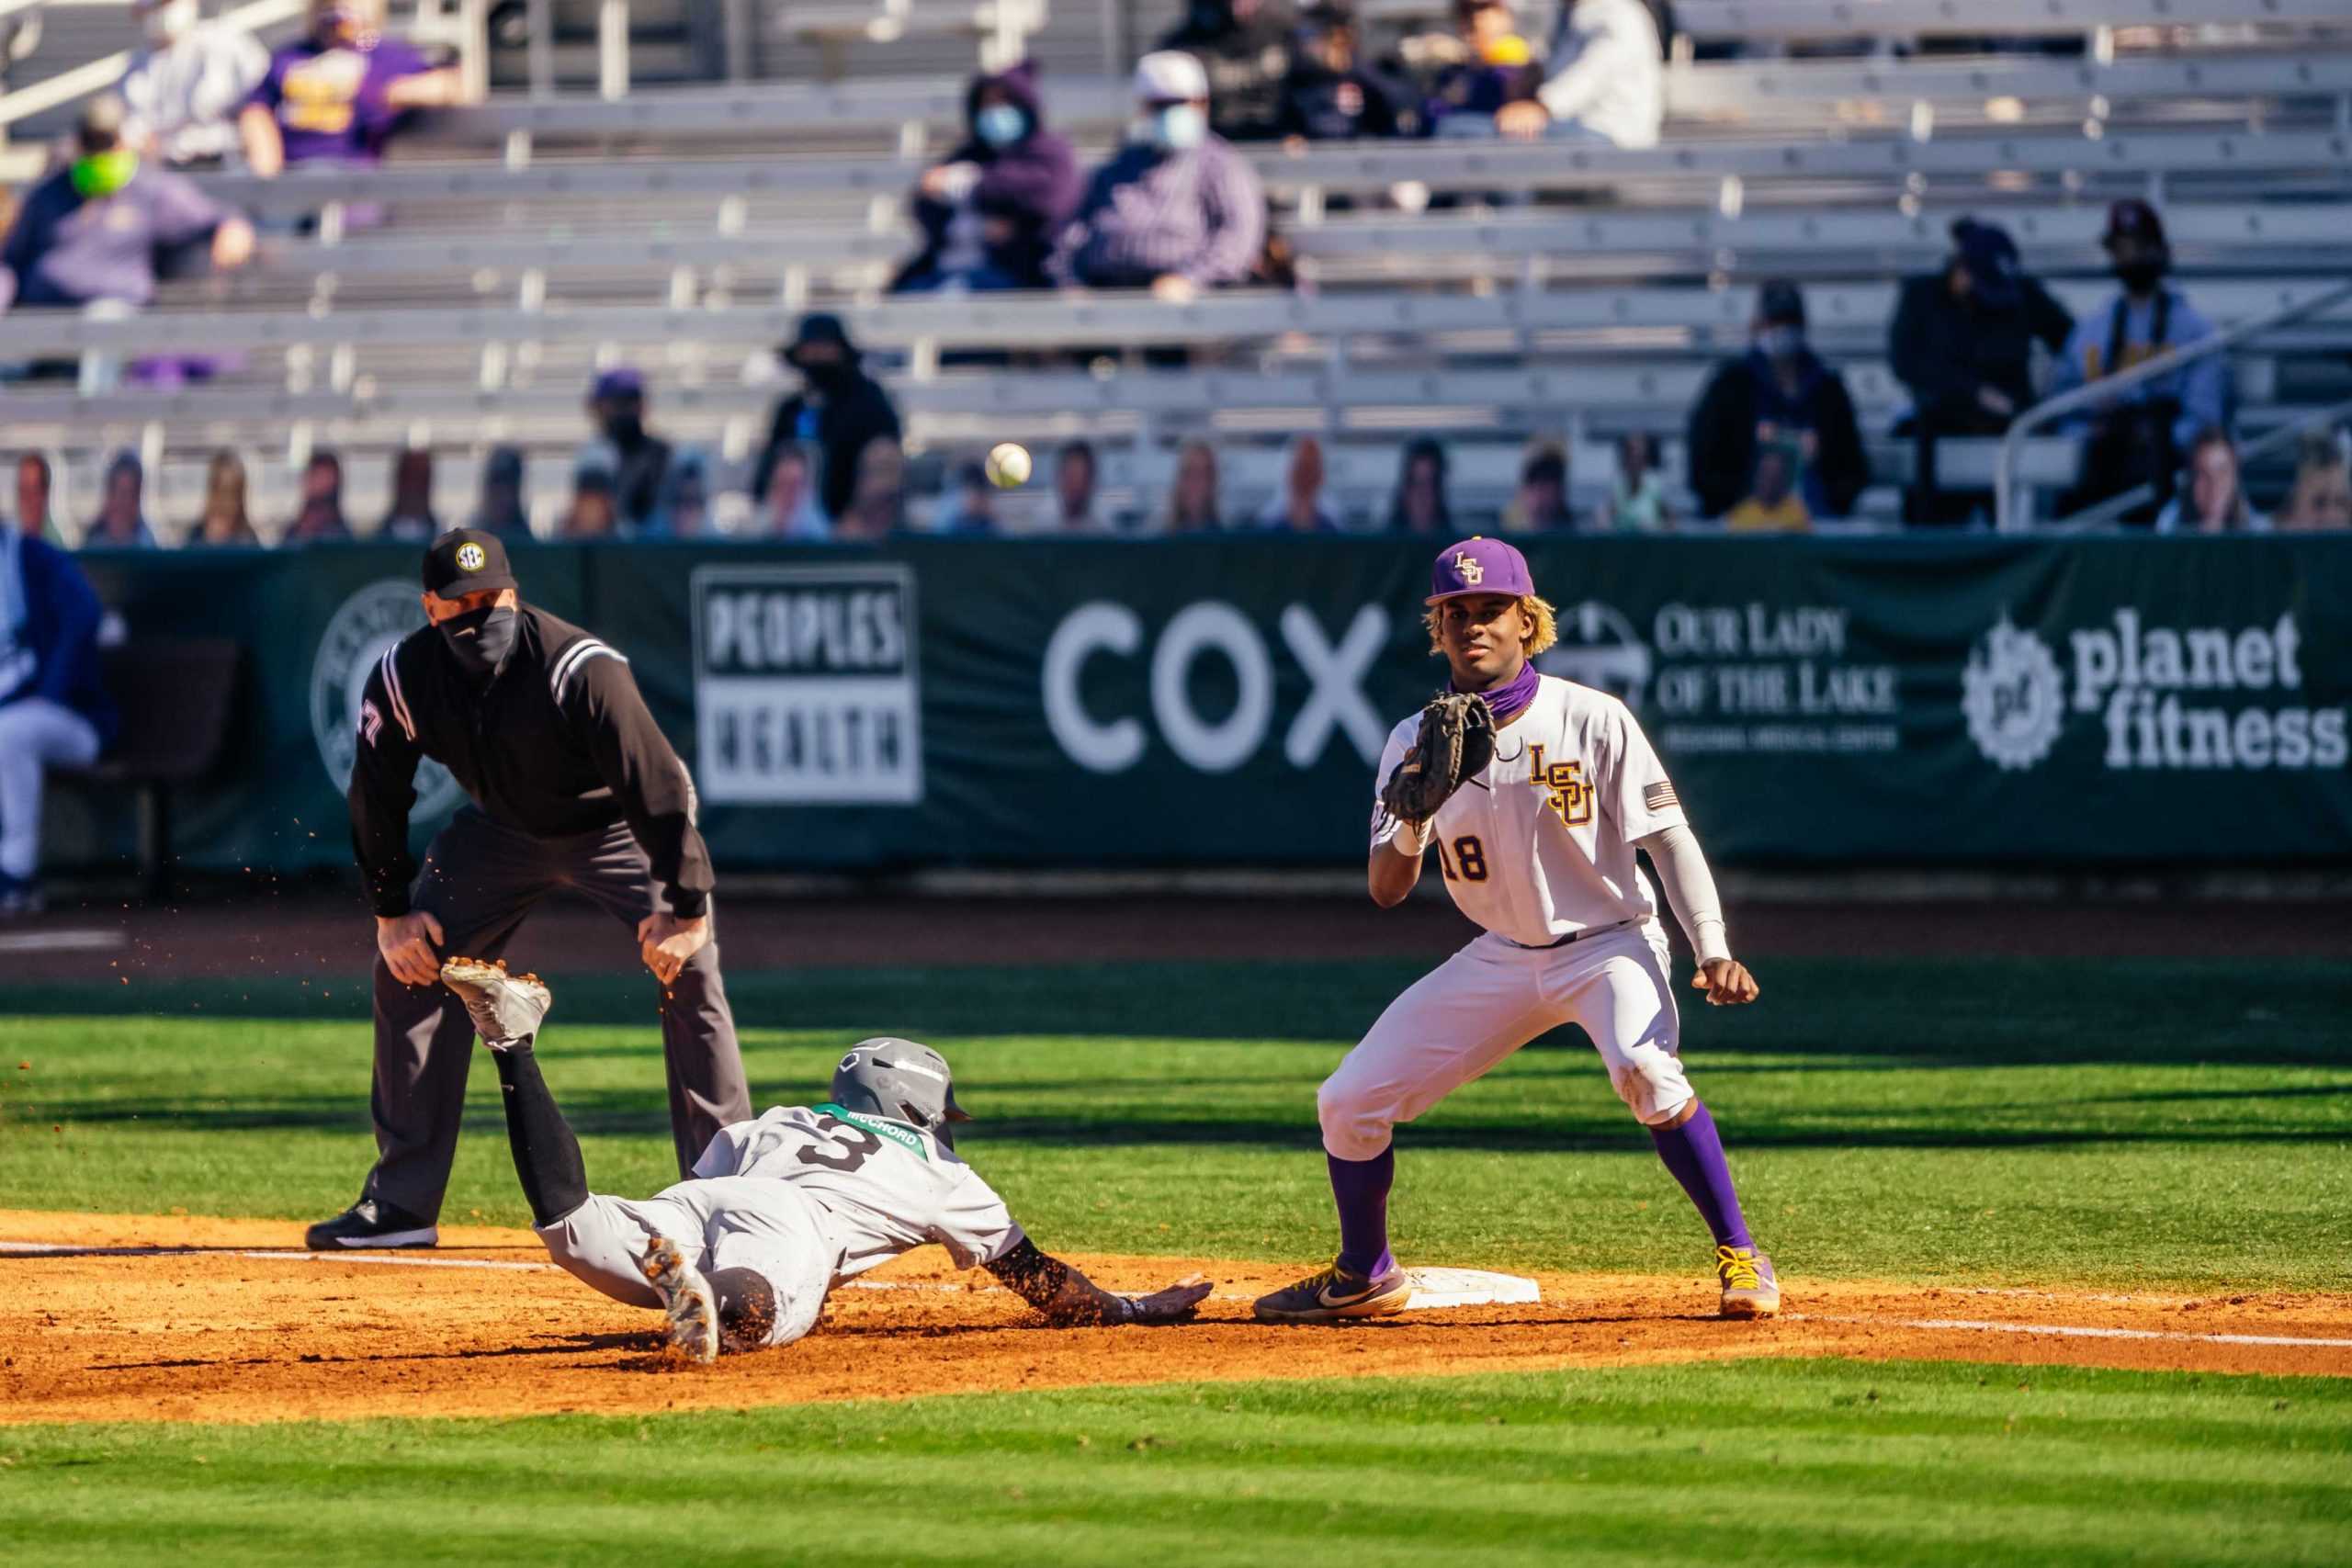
{"x": 1479, "y": 565}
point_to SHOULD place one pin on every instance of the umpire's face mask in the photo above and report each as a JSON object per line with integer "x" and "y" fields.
{"x": 480, "y": 639}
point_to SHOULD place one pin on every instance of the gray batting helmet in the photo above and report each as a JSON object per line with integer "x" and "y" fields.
{"x": 900, "y": 1079}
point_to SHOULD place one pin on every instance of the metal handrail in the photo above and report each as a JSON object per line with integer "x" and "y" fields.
{"x": 2014, "y": 512}
{"x": 2279, "y": 436}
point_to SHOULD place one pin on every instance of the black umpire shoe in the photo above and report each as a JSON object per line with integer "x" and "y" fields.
{"x": 370, "y": 1223}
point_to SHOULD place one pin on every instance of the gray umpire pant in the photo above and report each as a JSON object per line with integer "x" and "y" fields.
{"x": 480, "y": 879}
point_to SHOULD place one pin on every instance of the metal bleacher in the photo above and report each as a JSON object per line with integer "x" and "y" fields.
{"x": 1563, "y": 289}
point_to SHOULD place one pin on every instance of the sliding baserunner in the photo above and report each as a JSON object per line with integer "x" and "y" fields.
{"x": 782, "y": 1208}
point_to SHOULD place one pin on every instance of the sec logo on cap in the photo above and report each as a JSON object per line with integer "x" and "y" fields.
{"x": 470, "y": 556}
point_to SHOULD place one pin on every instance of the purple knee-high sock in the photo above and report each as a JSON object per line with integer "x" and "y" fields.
{"x": 1694, "y": 1152}
{"x": 1361, "y": 1187}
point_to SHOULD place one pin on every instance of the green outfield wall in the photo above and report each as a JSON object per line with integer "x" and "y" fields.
{"x": 1222, "y": 702}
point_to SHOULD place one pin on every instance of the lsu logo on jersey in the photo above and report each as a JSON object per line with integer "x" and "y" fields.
{"x": 1571, "y": 796}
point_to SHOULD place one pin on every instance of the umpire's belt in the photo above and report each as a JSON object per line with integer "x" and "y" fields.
{"x": 1563, "y": 941}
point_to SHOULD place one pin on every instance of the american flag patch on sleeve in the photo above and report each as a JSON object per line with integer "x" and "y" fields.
{"x": 1660, "y": 796}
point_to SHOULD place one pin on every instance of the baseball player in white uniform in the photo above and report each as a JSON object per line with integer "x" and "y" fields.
{"x": 1537, "y": 847}
{"x": 782, "y": 1208}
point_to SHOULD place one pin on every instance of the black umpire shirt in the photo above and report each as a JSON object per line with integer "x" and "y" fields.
{"x": 558, "y": 743}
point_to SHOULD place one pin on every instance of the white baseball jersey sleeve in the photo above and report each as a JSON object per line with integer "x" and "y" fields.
{"x": 885, "y": 1186}
{"x": 1541, "y": 844}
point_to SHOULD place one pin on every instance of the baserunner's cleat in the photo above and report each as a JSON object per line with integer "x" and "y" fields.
{"x": 1751, "y": 1288}
{"x": 686, "y": 1300}
{"x": 504, "y": 1007}
{"x": 1335, "y": 1294}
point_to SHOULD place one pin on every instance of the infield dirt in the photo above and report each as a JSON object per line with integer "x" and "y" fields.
{"x": 225, "y": 1320}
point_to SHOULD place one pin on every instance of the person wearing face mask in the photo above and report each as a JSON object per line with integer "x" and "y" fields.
{"x": 337, "y": 93}
{"x": 837, "y": 411}
{"x": 2140, "y": 435}
{"x": 93, "y": 231}
{"x": 1177, "y": 210}
{"x": 638, "y": 459}
{"x": 990, "y": 208}
{"x": 186, "y": 84}
{"x": 1779, "y": 394}
{"x": 572, "y": 786}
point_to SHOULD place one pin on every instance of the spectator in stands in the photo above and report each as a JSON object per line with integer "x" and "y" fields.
{"x": 2215, "y": 501}
{"x": 54, "y": 712}
{"x": 1076, "y": 473}
{"x": 1961, "y": 341}
{"x": 1540, "y": 505}
{"x": 1192, "y": 505}
{"x": 319, "y": 520}
{"x": 224, "y": 523}
{"x": 411, "y": 519}
{"x": 1492, "y": 66}
{"x": 1176, "y": 211}
{"x": 2138, "y": 437}
{"x": 1418, "y": 505}
{"x": 1331, "y": 95}
{"x": 791, "y": 496}
{"x": 32, "y": 495}
{"x": 336, "y": 95}
{"x": 1605, "y": 78}
{"x": 878, "y": 507}
{"x": 1636, "y": 503}
{"x": 838, "y": 410}
{"x": 639, "y": 460}
{"x": 1779, "y": 392}
{"x": 1772, "y": 502}
{"x": 1243, "y": 47}
{"x": 1300, "y": 507}
{"x": 970, "y": 504}
{"x": 185, "y": 86}
{"x": 990, "y": 209}
{"x": 2321, "y": 496}
{"x": 94, "y": 229}
{"x": 683, "y": 511}
{"x": 593, "y": 513}
{"x": 502, "y": 509}
{"x": 121, "y": 521}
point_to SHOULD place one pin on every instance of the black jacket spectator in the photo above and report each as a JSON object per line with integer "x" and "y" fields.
{"x": 1331, "y": 95}
{"x": 838, "y": 410}
{"x": 1244, "y": 45}
{"x": 1014, "y": 195}
{"x": 1783, "y": 392}
{"x": 1957, "y": 335}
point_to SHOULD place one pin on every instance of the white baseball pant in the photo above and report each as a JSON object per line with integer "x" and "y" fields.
{"x": 728, "y": 1221}
{"x": 35, "y": 736}
{"x": 1455, "y": 1022}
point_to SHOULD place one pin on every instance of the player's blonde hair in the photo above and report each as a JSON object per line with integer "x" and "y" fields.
{"x": 1534, "y": 607}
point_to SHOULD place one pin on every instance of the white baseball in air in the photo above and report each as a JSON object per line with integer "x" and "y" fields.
{"x": 1008, "y": 465}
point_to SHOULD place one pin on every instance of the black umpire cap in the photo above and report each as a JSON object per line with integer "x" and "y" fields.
{"x": 465, "y": 560}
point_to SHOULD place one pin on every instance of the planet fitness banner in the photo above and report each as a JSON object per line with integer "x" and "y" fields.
{"x": 1222, "y": 702}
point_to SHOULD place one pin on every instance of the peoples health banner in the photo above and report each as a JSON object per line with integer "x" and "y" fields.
{"x": 1222, "y": 702}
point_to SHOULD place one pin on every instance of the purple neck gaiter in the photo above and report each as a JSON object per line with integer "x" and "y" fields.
{"x": 1510, "y": 699}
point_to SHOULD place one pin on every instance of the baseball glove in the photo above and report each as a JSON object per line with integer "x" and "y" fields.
{"x": 1456, "y": 742}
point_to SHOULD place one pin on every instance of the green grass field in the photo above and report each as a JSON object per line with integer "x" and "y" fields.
{"x": 1762, "y": 1463}
{"x": 2107, "y": 1124}
{"x": 2102, "y": 1123}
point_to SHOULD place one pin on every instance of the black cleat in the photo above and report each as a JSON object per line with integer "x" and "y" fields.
{"x": 370, "y": 1223}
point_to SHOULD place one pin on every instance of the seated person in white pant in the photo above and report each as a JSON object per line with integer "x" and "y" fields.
{"x": 1537, "y": 846}
{"x": 53, "y": 711}
{"x": 782, "y": 1208}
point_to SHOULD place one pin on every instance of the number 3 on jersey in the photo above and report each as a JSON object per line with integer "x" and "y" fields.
{"x": 1469, "y": 853}
{"x": 849, "y": 1146}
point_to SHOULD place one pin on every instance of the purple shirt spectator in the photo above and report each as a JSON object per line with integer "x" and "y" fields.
{"x": 68, "y": 249}
{"x": 1199, "y": 214}
{"x": 329, "y": 99}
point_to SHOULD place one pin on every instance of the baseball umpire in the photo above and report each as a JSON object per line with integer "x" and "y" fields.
{"x": 572, "y": 786}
